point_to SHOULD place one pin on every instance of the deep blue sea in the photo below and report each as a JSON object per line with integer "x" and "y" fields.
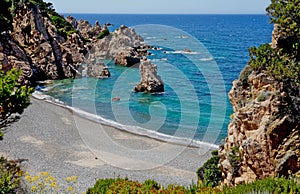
{"x": 195, "y": 103}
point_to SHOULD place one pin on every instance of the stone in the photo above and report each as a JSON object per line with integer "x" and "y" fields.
{"x": 97, "y": 70}
{"x": 126, "y": 58}
{"x": 150, "y": 81}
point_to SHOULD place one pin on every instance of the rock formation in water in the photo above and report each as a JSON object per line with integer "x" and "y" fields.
{"x": 150, "y": 81}
{"x": 264, "y": 132}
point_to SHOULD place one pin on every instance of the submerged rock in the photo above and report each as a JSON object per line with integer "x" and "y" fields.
{"x": 150, "y": 81}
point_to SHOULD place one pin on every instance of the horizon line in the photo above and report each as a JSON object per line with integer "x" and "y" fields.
{"x": 166, "y": 13}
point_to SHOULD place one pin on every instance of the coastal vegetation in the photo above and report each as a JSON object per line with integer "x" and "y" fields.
{"x": 13, "y": 96}
{"x": 270, "y": 185}
{"x": 281, "y": 61}
{"x": 10, "y": 176}
{"x": 209, "y": 173}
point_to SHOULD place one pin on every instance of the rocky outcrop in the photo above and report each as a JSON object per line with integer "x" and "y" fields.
{"x": 36, "y": 47}
{"x": 120, "y": 41}
{"x": 44, "y": 52}
{"x": 13, "y": 56}
{"x": 84, "y": 28}
{"x": 264, "y": 132}
{"x": 127, "y": 58}
{"x": 150, "y": 81}
{"x": 72, "y": 21}
{"x": 97, "y": 70}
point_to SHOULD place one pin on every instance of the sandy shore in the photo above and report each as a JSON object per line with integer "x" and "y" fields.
{"x": 56, "y": 140}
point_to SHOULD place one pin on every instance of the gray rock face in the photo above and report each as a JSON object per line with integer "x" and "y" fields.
{"x": 150, "y": 81}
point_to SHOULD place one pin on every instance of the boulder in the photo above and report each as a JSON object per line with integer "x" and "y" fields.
{"x": 150, "y": 81}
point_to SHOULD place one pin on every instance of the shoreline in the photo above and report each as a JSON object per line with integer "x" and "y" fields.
{"x": 128, "y": 129}
{"x": 49, "y": 136}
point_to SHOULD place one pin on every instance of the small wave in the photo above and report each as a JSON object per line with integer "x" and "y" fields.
{"x": 220, "y": 57}
{"x": 40, "y": 96}
{"x": 183, "y": 37}
{"x": 207, "y": 59}
{"x": 183, "y": 52}
{"x": 131, "y": 129}
{"x": 151, "y": 38}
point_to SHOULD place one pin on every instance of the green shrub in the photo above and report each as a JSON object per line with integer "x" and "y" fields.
{"x": 103, "y": 34}
{"x": 235, "y": 160}
{"x": 283, "y": 62}
{"x": 13, "y": 96}
{"x": 275, "y": 62}
{"x": 64, "y": 28}
{"x": 209, "y": 173}
{"x": 269, "y": 185}
{"x": 286, "y": 13}
{"x": 10, "y": 176}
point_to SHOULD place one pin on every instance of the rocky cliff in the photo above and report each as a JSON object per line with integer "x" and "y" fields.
{"x": 264, "y": 132}
{"x": 42, "y": 50}
{"x": 37, "y": 48}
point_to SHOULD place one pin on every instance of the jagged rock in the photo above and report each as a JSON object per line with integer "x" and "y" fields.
{"x": 150, "y": 81}
{"x": 12, "y": 56}
{"x": 97, "y": 28}
{"x": 121, "y": 39}
{"x": 127, "y": 58}
{"x": 72, "y": 21}
{"x": 97, "y": 70}
{"x": 85, "y": 28}
{"x": 36, "y": 47}
{"x": 265, "y": 127}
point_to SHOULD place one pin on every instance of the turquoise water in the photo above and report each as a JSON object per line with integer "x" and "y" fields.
{"x": 194, "y": 104}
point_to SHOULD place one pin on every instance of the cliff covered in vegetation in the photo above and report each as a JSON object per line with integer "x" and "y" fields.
{"x": 264, "y": 132}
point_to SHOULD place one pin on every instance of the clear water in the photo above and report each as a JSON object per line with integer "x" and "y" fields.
{"x": 195, "y": 103}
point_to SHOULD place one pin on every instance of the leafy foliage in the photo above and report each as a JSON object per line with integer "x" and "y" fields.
{"x": 282, "y": 62}
{"x": 269, "y": 185}
{"x": 63, "y": 27}
{"x": 286, "y": 13}
{"x": 235, "y": 160}
{"x": 10, "y": 176}
{"x": 103, "y": 34}
{"x": 13, "y": 97}
{"x": 277, "y": 63}
{"x": 209, "y": 173}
